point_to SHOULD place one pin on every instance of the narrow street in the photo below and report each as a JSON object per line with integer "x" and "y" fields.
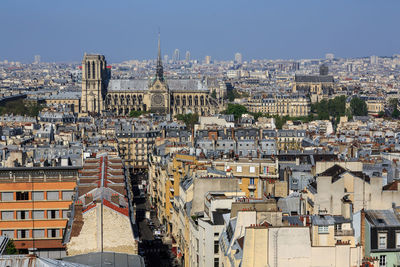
{"x": 155, "y": 253}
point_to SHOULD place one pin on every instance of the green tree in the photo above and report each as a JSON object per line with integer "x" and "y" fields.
{"x": 10, "y": 248}
{"x": 231, "y": 95}
{"x": 189, "y": 119}
{"x": 20, "y": 107}
{"x": 236, "y": 109}
{"x": 358, "y": 107}
{"x": 395, "y": 113}
{"x": 393, "y": 102}
{"x": 136, "y": 113}
{"x": 381, "y": 114}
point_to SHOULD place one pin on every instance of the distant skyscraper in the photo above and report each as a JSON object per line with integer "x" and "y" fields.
{"x": 374, "y": 60}
{"x": 166, "y": 58}
{"x": 187, "y": 56}
{"x": 349, "y": 68}
{"x": 176, "y": 55}
{"x": 329, "y": 56}
{"x": 208, "y": 60}
{"x": 323, "y": 70}
{"x": 36, "y": 59}
{"x": 238, "y": 58}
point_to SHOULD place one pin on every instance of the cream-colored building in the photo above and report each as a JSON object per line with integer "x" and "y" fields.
{"x": 337, "y": 186}
{"x": 281, "y": 105}
{"x": 291, "y": 246}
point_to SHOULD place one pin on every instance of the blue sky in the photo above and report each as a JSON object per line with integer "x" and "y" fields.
{"x": 127, "y": 29}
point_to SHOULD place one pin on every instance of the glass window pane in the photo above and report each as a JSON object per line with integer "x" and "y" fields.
{"x": 52, "y": 195}
{"x": 7, "y": 215}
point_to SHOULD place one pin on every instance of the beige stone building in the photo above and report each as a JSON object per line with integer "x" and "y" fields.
{"x": 337, "y": 186}
{"x": 100, "y": 93}
{"x": 281, "y": 105}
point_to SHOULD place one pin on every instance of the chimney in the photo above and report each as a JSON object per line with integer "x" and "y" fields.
{"x": 362, "y": 232}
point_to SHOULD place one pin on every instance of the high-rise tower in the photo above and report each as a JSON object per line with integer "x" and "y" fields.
{"x": 94, "y": 83}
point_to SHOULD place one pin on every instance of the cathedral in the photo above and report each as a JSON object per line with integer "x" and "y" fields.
{"x": 101, "y": 94}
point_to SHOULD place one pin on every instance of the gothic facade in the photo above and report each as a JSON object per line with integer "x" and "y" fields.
{"x": 178, "y": 96}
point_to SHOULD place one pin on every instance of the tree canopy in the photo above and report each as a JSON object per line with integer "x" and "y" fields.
{"x": 20, "y": 107}
{"x": 358, "y": 107}
{"x": 325, "y": 109}
{"x": 136, "y": 113}
{"x": 189, "y": 119}
{"x": 10, "y": 248}
{"x": 236, "y": 109}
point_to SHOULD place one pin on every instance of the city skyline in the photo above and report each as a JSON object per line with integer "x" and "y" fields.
{"x": 62, "y": 32}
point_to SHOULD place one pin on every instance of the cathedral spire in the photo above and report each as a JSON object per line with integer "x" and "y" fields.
{"x": 159, "y": 68}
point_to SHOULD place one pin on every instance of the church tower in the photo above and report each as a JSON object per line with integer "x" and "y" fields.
{"x": 158, "y": 89}
{"x": 95, "y": 76}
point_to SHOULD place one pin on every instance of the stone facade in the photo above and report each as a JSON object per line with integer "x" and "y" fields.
{"x": 100, "y": 93}
{"x": 282, "y": 105}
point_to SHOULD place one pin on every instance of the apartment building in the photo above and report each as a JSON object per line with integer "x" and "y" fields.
{"x": 35, "y": 205}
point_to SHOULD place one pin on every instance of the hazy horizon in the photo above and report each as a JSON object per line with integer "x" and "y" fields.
{"x": 126, "y": 30}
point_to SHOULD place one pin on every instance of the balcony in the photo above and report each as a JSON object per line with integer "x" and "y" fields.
{"x": 171, "y": 189}
{"x": 344, "y": 232}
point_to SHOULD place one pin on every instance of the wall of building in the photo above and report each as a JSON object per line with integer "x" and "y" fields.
{"x": 117, "y": 233}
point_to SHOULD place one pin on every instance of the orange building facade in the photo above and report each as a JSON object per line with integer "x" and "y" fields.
{"x": 34, "y": 207}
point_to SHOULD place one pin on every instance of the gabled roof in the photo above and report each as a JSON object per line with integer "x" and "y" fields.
{"x": 392, "y": 186}
{"x": 336, "y": 172}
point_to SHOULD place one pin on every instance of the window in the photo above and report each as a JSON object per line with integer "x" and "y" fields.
{"x": 7, "y": 196}
{"x": 53, "y": 233}
{"x": 216, "y": 246}
{"x": 8, "y": 233}
{"x": 52, "y": 195}
{"x": 67, "y": 195}
{"x": 52, "y": 214}
{"x": 252, "y": 169}
{"x": 323, "y": 229}
{"x": 382, "y": 237}
{"x": 338, "y": 227}
{"x": 38, "y": 214}
{"x": 238, "y": 168}
{"x": 38, "y": 195}
{"x": 23, "y": 233}
{"x": 22, "y": 195}
{"x": 36, "y": 233}
{"x": 252, "y": 181}
{"x": 295, "y": 181}
{"x": 398, "y": 239}
{"x": 22, "y": 215}
{"x": 216, "y": 262}
{"x": 7, "y": 215}
{"x": 382, "y": 261}
{"x": 65, "y": 214}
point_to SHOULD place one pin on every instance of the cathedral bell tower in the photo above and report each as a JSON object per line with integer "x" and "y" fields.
{"x": 158, "y": 88}
{"x": 95, "y": 76}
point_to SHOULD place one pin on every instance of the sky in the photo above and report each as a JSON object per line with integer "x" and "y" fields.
{"x": 62, "y": 31}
